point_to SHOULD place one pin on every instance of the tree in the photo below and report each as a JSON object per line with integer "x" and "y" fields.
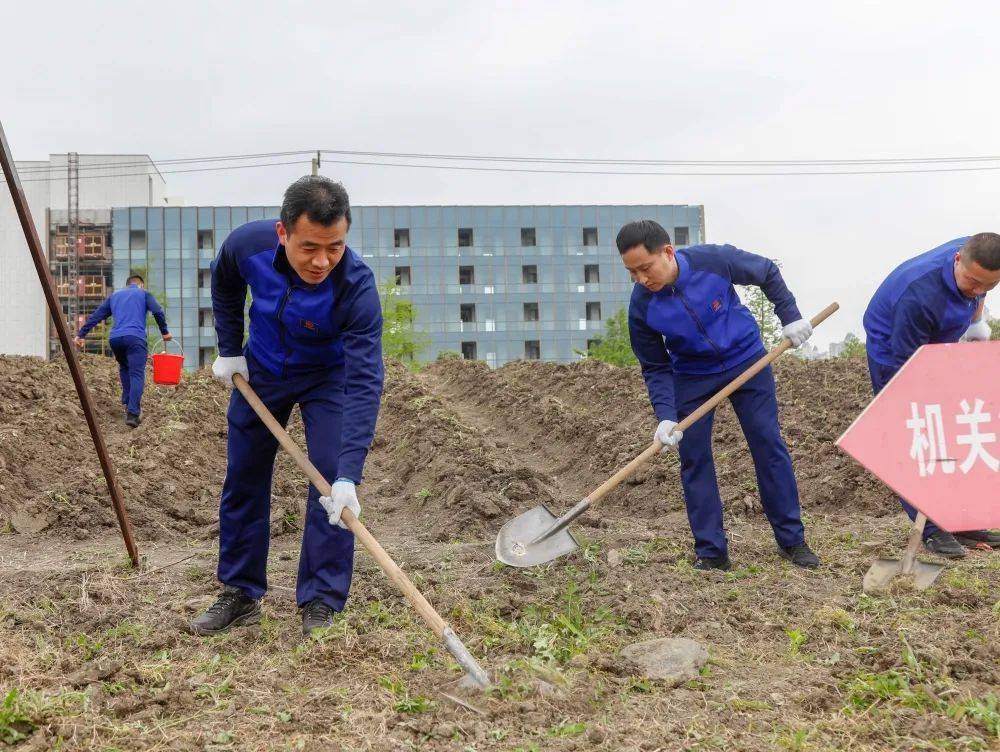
{"x": 614, "y": 347}
{"x": 853, "y": 347}
{"x": 995, "y": 327}
{"x": 763, "y": 312}
{"x": 399, "y": 338}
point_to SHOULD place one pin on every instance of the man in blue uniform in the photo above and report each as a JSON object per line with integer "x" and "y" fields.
{"x": 936, "y": 297}
{"x": 316, "y": 341}
{"x": 128, "y": 308}
{"x": 693, "y": 336}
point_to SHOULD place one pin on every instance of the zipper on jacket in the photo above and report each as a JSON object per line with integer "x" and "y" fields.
{"x": 698, "y": 323}
{"x": 281, "y": 330}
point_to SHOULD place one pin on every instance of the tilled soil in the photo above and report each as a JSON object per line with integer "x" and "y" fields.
{"x": 94, "y": 655}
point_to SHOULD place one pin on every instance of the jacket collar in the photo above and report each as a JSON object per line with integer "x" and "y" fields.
{"x": 683, "y": 271}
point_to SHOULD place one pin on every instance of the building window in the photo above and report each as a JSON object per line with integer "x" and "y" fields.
{"x": 464, "y": 236}
{"x": 469, "y": 350}
{"x": 467, "y": 312}
{"x": 532, "y": 349}
{"x": 592, "y": 274}
{"x": 591, "y": 343}
{"x": 680, "y": 236}
{"x": 206, "y": 240}
{"x": 466, "y": 275}
{"x": 529, "y": 274}
{"x": 205, "y": 356}
{"x": 531, "y": 311}
{"x": 401, "y": 238}
{"x": 205, "y": 279}
{"x": 527, "y": 236}
{"x": 402, "y": 275}
{"x": 590, "y": 236}
{"x": 137, "y": 240}
{"x": 593, "y": 311}
{"x": 206, "y": 318}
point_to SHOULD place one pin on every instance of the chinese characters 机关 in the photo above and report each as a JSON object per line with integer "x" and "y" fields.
{"x": 929, "y": 443}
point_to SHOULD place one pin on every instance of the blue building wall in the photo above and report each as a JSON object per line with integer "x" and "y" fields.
{"x": 579, "y": 281}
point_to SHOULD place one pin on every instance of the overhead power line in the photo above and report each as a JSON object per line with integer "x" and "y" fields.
{"x": 663, "y": 162}
{"x": 190, "y": 169}
{"x": 61, "y": 169}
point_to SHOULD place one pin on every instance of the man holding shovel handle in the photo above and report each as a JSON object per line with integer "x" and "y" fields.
{"x": 316, "y": 341}
{"x": 692, "y": 336}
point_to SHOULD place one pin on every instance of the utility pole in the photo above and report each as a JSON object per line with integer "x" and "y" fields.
{"x": 316, "y": 163}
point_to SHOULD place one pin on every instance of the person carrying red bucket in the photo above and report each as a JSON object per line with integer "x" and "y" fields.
{"x": 128, "y": 308}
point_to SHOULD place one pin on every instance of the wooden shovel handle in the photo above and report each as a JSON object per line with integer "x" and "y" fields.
{"x": 653, "y": 449}
{"x": 391, "y": 569}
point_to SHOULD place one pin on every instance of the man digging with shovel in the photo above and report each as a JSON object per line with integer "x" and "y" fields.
{"x": 692, "y": 336}
{"x": 936, "y": 297}
{"x": 316, "y": 341}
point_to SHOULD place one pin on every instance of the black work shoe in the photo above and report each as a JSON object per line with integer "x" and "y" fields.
{"x": 977, "y": 538}
{"x": 316, "y": 615}
{"x": 943, "y": 543}
{"x": 234, "y": 608}
{"x": 706, "y": 563}
{"x": 800, "y": 555}
{"x": 132, "y": 420}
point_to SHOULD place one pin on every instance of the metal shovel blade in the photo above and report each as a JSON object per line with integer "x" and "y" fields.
{"x": 883, "y": 571}
{"x": 515, "y": 542}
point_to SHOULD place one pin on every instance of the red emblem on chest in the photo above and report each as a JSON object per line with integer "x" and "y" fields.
{"x": 716, "y": 305}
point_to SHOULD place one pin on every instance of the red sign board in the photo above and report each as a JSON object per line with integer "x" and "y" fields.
{"x": 933, "y": 434}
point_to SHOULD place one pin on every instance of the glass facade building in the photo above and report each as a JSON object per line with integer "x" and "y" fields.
{"x": 493, "y": 283}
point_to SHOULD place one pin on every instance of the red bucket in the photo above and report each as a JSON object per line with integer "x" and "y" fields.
{"x": 167, "y": 368}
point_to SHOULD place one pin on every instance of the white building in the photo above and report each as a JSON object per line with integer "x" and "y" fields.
{"x": 104, "y": 180}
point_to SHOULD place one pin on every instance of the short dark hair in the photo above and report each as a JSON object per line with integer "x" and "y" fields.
{"x": 320, "y": 199}
{"x": 135, "y": 278}
{"x": 644, "y": 232}
{"x": 984, "y": 249}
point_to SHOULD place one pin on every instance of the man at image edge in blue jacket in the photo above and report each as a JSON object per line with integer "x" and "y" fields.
{"x": 692, "y": 336}
{"x": 316, "y": 341}
{"x": 938, "y": 296}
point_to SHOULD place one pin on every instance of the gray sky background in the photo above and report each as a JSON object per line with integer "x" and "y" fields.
{"x": 660, "y": 80}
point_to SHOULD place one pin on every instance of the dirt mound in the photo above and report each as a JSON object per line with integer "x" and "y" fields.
{"x": 170, "y": 469}
{"x": 459, "y": 448}
{"x": 594, "y": 418}
{"x": 452, "y": 479}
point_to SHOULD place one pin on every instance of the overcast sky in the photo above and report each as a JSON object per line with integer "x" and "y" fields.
{"x": 659, "y": 80}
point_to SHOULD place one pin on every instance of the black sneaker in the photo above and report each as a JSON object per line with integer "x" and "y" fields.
{"x": 316, "y": 615}
{"x": 132, "y": 420}
{"x": 943, "y": 543}
{"x": 979, "y": 538}
{"x": 800, "y": 555}
{"x": 232, "y": 609}
{"x": 706, "y": 563}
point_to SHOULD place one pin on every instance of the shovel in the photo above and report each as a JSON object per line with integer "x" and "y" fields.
{"x": 538, "y": 536}
{"x": 475, "y": 676}
{"x": 883, "y": 571}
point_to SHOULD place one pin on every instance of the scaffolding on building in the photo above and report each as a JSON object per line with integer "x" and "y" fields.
{"x": 81, "y": 262}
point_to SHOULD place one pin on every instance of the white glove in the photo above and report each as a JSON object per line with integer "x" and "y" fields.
{"x": 344, "y": 495}
{"x": 798, "y": 332}
{"x": 664, "y": 436}
{"x": 979, "y": 332}
{"x": 224, "y": 368}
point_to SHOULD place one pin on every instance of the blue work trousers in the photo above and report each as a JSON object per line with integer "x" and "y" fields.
{"x": 756, "y": 407}
{"x": 131, "y": 353}
{"x": 882, "y": 375}
{"x": 326, "y": 560}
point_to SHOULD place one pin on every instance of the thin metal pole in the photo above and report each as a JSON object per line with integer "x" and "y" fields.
{"x": 45, "y": 277}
